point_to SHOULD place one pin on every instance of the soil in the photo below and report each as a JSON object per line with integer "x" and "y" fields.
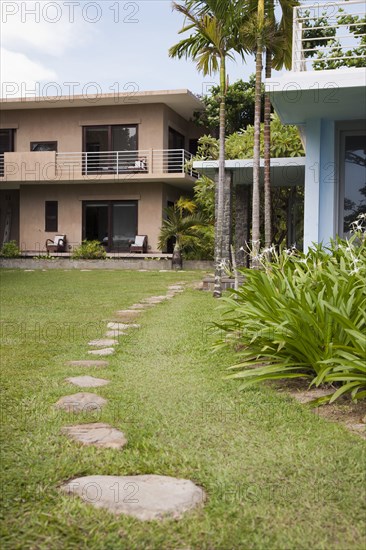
{"x": 350, "y": 414}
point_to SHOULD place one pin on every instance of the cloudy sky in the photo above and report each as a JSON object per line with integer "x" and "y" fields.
{"x": 86, "y": 46}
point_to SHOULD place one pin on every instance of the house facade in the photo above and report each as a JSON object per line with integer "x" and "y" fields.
{"x": 94, "y": 168}
{"x": 329, "y": 107}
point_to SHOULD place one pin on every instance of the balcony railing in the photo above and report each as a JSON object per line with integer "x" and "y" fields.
{"x": 152, "y": 161}
{"x": 329, "y": 35}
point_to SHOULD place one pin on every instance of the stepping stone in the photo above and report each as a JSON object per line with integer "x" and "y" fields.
{"x": 88, "y": 363}
{"x": 81, "y": 402}
{"x": 138, "y": 306}
{"x": 104, "y": 351}
{"x": 128, "y": 313}
{"x": 97, "y": 434}
{"x": 84, "y": 270}
{"x": 175, "y": 287}
{"x": 87, "y": 381}
{"x": 103, "y": 342}
{"x": 122, "y": 326}
{"x": 28, "y": 270}
{"x": 115, "y": 333}
{"x": 145, "y": 497}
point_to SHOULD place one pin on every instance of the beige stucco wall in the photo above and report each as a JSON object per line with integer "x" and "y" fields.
{"x": 70, "y": 197}
{"x": 64, "y": 125}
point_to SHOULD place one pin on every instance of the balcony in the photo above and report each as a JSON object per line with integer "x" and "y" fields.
{"x": 329, "y": 36}
{"x": 152, "y": 164}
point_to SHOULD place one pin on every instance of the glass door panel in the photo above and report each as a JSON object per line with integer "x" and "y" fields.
{"x": 97, "y": 145}
{"x": 354, "y": 197}
{"x": 124, "y": 225}
{"x": 96, "y": 222}
{"x": 176, "y": 156}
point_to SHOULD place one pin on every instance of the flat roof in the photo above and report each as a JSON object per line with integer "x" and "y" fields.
{"x": 336, "y": 94}
{"x": 285, "y": 172}
{"x": 183, "y": 101}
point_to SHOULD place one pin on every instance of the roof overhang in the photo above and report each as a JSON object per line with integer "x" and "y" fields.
{"x": 285, "y": 172}
{"x": 183, "y": 102}
{"x": 334, "y": 94}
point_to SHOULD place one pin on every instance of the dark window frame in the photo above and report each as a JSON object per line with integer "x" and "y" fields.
{"x": 34, "y": 143}
{"x": 51, "y": 219}
{"x": 11, "y": 138}
{"x": 109, "y": 126}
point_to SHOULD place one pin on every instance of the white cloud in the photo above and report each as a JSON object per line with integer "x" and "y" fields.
{"x": 19, "y": 74}
{"x": 49, "y": 28}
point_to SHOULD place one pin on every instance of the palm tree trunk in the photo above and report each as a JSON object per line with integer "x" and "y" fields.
{"x": 219, "y": 217}
{"x": 256, "y": 156}
{"x": 267, "y": 159}
{"x": 241, "y": 224}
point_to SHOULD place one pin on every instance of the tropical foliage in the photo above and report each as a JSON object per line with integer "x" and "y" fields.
{"x": 89, "y": 250}
{"x": 303, "y": 316}
{"x": 187, "y": 227}
{"x": 239, "y": 107}
{"x": 10, "y": 250}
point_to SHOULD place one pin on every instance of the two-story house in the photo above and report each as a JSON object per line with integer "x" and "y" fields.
{"x": 96, "y": 168}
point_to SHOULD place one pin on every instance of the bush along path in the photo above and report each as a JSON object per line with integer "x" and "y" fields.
{"x": 145, "y": 497}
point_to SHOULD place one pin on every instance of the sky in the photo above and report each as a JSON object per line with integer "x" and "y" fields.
{"x": 81, "y": 46}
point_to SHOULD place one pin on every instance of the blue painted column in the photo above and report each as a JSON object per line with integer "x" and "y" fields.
{"x": 327, "y": 202}
{"x": 312, "y": 182}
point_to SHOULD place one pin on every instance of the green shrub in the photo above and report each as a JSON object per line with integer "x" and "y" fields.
{"x": 303, "y": 315}
{"x": 89, "y": 250}
{"x": 10, "y": 250}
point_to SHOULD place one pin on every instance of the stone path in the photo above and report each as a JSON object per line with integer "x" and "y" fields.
{"x": 145, "y": 497}
{"x": 80, "y": 402}
{"x": 104, "y": 351}
{"x": 97, "y": 434}
{"x": 87, "y": 381}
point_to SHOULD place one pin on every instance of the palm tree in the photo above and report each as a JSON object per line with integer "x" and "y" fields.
{"x": 181, "y": 221}
{"x": 213, "y": 38}
{"x": 278, "y": 55}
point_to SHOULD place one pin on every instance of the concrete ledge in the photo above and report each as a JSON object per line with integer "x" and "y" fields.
{"x": 132, "y": 264}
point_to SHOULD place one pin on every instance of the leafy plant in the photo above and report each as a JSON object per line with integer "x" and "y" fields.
{"x": 89, "y": 250}
{"x": 303, "y": 316}
{"x": 10, "y": 250}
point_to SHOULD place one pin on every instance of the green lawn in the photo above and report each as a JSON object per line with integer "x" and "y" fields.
{"x": 277, "y": 476}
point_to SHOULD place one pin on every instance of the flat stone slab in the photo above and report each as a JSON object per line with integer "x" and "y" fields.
{"x": 114, "y": 333}
{"x": 122, "y": 326}
{"x": 128, "y": 313}
{"x": 87, "y": 381}
{"x": 175, "y": 287}
{"x": 81, "y": 402}
{"x": 97, "y": 434}
{"x": 104, "y": 351}
{"x": 138, "y": 306}
{"x": 145, "y": 497}
{"x": 103, "y": 342}
{"x": 88, "y": 363}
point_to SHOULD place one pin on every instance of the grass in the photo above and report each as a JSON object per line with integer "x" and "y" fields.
{"x": 276, "y": 475}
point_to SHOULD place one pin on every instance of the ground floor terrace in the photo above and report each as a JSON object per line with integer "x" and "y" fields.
{"x": 111, "y": 213}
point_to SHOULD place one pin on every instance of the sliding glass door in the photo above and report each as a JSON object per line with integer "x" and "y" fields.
{"x": 101, "y": 144}
{"x": 353, "y": 179}
{"x": 112, "y": 223}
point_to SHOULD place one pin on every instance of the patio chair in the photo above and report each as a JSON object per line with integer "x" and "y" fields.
{"x": 58, "y": 244}
{"x": 140, "y": 244}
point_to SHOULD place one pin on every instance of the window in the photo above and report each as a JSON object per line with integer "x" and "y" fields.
{"x": 352, "y": 178}
{"x": 51, "y": 216}
{"x": 112, "y": 223}
{"x": 43, "y": 146}
{"x": 6, "y": 146}
{"x": 101, "y": 144}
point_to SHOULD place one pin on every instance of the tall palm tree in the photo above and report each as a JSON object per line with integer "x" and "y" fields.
{"x": 213, "y": 38}
{"x": 278, "y": 55}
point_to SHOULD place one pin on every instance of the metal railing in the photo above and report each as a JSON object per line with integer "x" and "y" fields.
{"x": 329, "y": 35}
{"x": 153, "y": 161}
{"x": 2, "y": 162}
